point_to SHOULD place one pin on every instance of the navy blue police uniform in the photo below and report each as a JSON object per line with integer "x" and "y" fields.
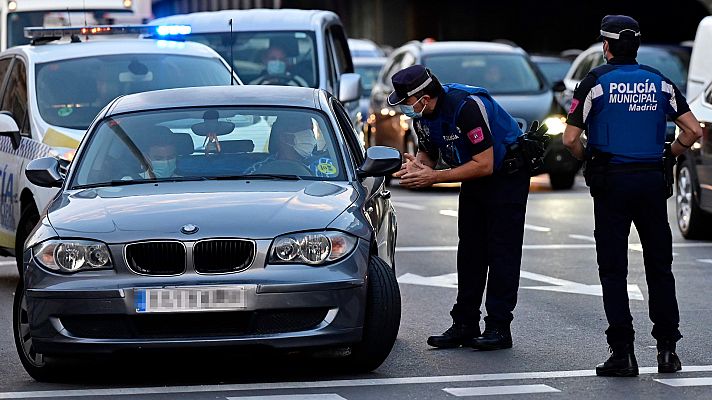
{"x": 467, "y": 121}
{"x": 624, "y": 106}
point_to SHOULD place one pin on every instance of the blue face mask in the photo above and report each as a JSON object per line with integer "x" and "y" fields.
{"x": 276, "y": 67}
{"x": 409, "y": 110}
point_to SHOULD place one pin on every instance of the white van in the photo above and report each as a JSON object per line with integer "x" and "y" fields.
{"x": 700, "y": 73}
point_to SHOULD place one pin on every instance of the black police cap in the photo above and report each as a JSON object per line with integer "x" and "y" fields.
{"x": 408, "y": 82}
{"x": 619, "y": 27}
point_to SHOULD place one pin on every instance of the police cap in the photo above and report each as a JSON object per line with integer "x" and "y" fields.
{"x": 619, "y": 27}
{"x": 410, "y": 81}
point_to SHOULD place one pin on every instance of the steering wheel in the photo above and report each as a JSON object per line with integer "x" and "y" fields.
{"x": 281, "y": 80}
{"x": 284, "y": 167}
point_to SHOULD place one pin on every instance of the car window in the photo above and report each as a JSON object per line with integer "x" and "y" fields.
{"x": 391, "y": 69}
{"x": 268, "y": 58}
{"x": 356, "y": 147}
{"x": 204, "y": 143}
{"x": 498, "y": 73}
{"x": 708, "y": 96}
{"x": 584, "y": 66}
{"x": 15, "y": 99}
{"x": 4, "y": 66}
{"x": 70, "y": 93}
{"x": 341, "y": 52}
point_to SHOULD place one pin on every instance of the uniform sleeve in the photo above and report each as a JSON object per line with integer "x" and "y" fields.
{"x": 424, "y": 142}
{"x": 582, "y": 101}
{"x": 474, "y": 125}
{"x": 677, "y": 105}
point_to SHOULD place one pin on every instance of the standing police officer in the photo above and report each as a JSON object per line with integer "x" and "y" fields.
{"x": 623, "y": 105}
{"x": 469, "y": 131}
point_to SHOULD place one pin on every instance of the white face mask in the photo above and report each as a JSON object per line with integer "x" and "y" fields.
{"x": 163, "y": 168}
{"x": 304, "y": 142}
{"x": 276, "y": 67}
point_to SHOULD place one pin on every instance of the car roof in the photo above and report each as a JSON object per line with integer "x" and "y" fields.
{"x": 62, "y": 51}
{"x": 369, "y": 61}
{"x": 459, "y": 47}
{"x": 251, "y": 20}
{"x": 207, "y": 96}
{"x": 551, "y": 59}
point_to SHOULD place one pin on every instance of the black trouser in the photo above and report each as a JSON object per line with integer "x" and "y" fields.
{"x": 641, "y": 198}
{"x": 491, "y": 231}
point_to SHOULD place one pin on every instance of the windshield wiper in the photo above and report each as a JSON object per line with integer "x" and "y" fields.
{"x": 285, "y": 177}
{"x": 125, "y": 182}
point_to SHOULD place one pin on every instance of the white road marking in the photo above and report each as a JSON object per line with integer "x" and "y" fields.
{"x": 326, "y": 384}
{"x": 557, "y": 285}
{"x": 583, "y": 237}
{"x": 537, "y": 228}
{"x": 4, "y": 263}
{"x": 705, "y": 260}
{"x": 321, "y": 396}
{"x": 580, "y": 246}
{"x": 681, "y": 382}
{"x": 409, "y": 206}
{"x": 500, "y": 390}
{"x": 449, "y": 213}
{"x": 636, "y": 247}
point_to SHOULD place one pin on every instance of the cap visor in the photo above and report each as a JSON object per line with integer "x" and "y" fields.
{"x": 394, "y": 99}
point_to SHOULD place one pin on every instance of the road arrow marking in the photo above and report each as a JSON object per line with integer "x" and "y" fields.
{"x": 557, "y": 285}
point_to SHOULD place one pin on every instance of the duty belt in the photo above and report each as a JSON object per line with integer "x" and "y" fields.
{"x": 634, "y": 167}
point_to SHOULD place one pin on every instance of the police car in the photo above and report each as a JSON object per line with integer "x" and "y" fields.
{"x": 51, "y": 91}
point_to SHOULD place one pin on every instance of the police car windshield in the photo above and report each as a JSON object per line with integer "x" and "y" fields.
{"x": 70, "y": 93}
{"x": 498, "y": 73}
{"x": 268, "y": 58}
{"x": 209, "y": 144}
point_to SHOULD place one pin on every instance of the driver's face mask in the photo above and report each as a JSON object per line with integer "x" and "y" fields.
{"x": 304, "y": 143}
{"x": 276, "y": 67}
{"x": 163, "y": 168}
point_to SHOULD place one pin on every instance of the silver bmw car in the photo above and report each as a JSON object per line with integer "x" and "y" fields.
{"x": 214, "y": 216}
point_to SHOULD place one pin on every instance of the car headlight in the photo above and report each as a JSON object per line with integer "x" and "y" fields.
{"x": 70, "y": 256}
{"x": 311, "y": 248}
{"x": 556, "y": 124}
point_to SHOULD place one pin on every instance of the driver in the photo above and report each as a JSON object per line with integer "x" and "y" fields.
{"x": 276, "y": 63}
{"x": 161, "y": 154}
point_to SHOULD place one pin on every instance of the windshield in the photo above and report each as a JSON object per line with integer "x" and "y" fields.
{"x": 498, "y": 73}
{"x": 70, "y": 93}
{"x": 554, "y": 71}
{"x": 369, "y": 74}
{"x": 268, "y": 58}
{"x": 210, "y": 143}
{"x": 18, "y": 21}
{"x": 671, "y": 62}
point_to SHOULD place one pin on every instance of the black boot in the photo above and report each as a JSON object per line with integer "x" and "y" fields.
{"x": 621, "y": 363}
{"x": 493, "y": 339}
{"x": 457, "y": 335}
{"x": 668, "y": 361}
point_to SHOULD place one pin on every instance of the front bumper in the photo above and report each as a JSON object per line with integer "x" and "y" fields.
{"x": 97, "y": 312}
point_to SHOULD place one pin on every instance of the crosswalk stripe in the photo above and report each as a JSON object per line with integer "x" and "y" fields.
{"x": 680, "y": 382}
{"x": 320, "y": 396}
{"x": 500, "y": 390}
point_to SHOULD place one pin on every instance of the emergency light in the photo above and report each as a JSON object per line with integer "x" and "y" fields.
{"x": 147, "y": 30}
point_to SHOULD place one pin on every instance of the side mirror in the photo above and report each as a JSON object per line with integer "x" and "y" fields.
{"x": 380, "y": 161}
{"x": 8, "y": 127}
{"x": 349, "y": 87}
{"x": 44, "y": 172}
{"x": 558, "y": 86}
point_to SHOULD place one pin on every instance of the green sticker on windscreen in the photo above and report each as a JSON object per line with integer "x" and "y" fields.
{"x": 65, "y": 111}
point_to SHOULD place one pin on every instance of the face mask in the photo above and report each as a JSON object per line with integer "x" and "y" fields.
{"x": 276, "y": 67}
{"x": 409, "y": 110}
{"x": 304, "y": 143}
{"x": 163, "y": 168}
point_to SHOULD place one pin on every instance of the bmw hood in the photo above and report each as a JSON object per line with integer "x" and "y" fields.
{"x": 256, "y": 209}
{"x": 527, "y": 108}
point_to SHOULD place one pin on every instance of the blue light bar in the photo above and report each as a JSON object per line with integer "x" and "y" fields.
{"x": 173, "y": 30}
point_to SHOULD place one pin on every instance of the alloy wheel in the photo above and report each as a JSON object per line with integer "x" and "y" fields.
{"x": 23, "y": 328}
{"x": 684, "y": 198}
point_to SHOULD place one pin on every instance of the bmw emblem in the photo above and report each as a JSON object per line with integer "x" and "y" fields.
{"x": 189, "y": 229}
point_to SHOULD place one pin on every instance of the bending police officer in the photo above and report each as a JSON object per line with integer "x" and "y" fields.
{"x": 469, "y": 131}
{"x": 623, "y": 105}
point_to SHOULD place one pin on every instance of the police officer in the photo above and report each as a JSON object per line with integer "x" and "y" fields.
{"x": 623, "y": 105}
{"x": 464, "y": 127}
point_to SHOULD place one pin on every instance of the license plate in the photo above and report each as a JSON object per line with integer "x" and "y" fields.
{"x": 189, "y": 299}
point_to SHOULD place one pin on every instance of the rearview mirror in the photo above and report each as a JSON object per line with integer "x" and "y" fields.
{"x": 349, "y": 87}
{"x": 8, "y": 127}
{"x": 380, "y": 161}
{"x": 558, "y": 86}
{"x": 44, "y": 172}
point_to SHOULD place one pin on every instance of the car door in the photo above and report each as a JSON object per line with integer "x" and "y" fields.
{"x": 377, "y": 205}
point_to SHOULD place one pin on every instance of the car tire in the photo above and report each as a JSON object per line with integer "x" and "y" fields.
{"x": 382, "y": 319}
{"x": 37, "y": 366}
{"x": 562, "y": 180}
{"x": 28, "y": 219}
{"x": 693, "y": 222}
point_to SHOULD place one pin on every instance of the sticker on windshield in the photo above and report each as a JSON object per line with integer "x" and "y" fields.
{"x": 65, "y": 111}
{"x": 325, "y": 167}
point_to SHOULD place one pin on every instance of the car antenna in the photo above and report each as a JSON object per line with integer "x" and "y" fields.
{"x": 84, "y": 10}
{"x": 74, "y": 38}
{"x": 232, "y": 59}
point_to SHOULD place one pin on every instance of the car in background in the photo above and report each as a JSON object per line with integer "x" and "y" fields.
{"x": 52, "y": 90}
{"x": 671, "y": 60}
{"x": 362, "y": 48}
{"x": 280, "y": 47}
{"x": 553, "y": 68}
{"x": 506, "y": 71}
{"x": 369, "y": 68}
{"x": 694, "y": 176}
{"x": 700, "y": 73}
{"x": 235, "y": 247}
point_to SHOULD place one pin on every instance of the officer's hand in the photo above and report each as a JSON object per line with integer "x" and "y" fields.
{"x": 411, "y": 164}
{"x": 421, "y": 178}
